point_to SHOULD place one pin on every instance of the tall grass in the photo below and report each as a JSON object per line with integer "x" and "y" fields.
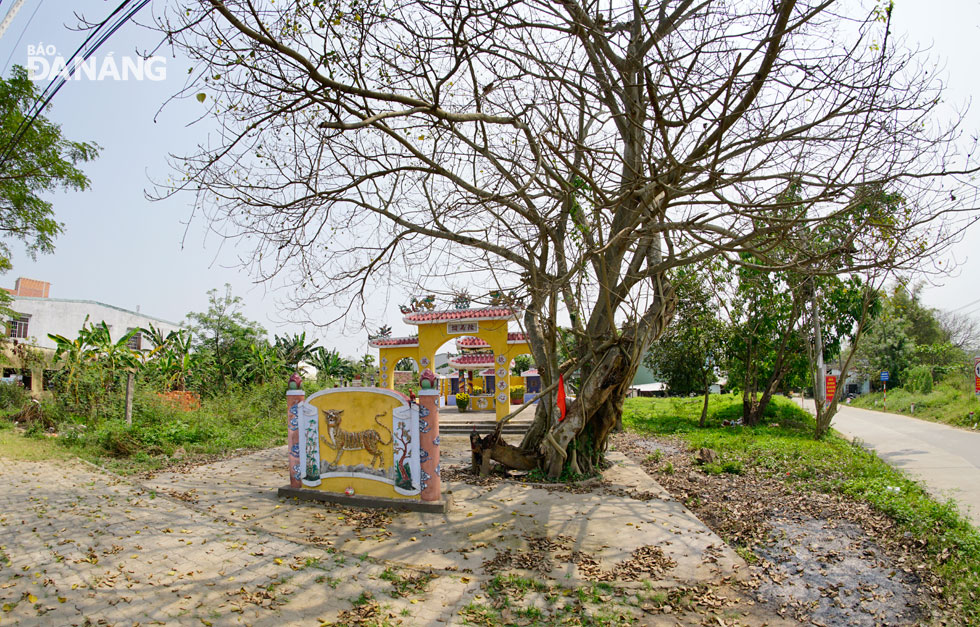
{"x": 161, "y": 433}
{"x": 949, "y": 402}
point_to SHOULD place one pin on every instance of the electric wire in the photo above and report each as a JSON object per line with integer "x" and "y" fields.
{"x": 98, "y": 36}
{"x": 19, "y": 38}
{"x": 970, "y": 304}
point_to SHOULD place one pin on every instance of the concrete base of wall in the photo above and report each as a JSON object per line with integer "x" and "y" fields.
{"x": 376, "y": 502}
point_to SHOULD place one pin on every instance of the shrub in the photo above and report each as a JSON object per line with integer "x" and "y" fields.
{"x": 919, "y": 379}
{"x": 13, "y": 396}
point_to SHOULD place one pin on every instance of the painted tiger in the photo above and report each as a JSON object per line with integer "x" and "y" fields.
{"x": 368, "y": 440}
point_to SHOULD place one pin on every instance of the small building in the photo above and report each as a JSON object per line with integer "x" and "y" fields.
{"x": 38, "y": 315}
{"x": 658, "y": 388}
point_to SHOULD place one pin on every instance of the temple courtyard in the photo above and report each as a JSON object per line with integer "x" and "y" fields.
{"x": 212, "y": 544}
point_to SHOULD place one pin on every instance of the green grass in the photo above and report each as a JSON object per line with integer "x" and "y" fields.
{"x": 950, "y": 402}
{"x": 402, "y": 585}
{"x": 161, "y": 434}
{"x": 14, "y": 445}
{"x": 783, "y": 446}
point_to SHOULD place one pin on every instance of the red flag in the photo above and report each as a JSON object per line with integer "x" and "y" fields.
{"x": 561, "y": 397}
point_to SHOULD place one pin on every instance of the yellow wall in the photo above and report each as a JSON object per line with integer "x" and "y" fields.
{"x": 360, "y": 407}
{"x": 433, "y": 336}
{"x": 395, "y": 354}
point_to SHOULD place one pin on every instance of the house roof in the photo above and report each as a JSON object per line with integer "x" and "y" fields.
{"x": 659, "y": 386}
{"x": 95, "y": 302}
{"x": 470, "y": 342}
{"x": 472, "y": 361}
{"x": 386, "y": 342}
{"x": 461, "y": 315}
{"x": 533, "y": 372}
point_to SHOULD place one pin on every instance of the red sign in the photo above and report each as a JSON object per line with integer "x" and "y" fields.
{"x": 831, "y": 387}
{"x": 976, "y": 371}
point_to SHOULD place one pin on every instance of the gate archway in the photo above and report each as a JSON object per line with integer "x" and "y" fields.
{"x": 485, "y": 330}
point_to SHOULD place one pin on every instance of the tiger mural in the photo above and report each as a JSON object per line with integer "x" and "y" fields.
{"x": 368, "y": 440}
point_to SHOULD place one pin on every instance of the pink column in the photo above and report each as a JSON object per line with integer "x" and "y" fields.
{"x": 293, "y": 399}
{"x": 429, "y": 442}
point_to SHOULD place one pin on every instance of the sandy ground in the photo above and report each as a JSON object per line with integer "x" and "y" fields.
{"x": 213, "y": 544}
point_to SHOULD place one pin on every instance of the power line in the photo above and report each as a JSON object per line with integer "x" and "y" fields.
{"x": 21, "y": 36}
{"x": 970, "y": 304}
{"x": 99, "y": 35}
{"x": 11, "y": 14}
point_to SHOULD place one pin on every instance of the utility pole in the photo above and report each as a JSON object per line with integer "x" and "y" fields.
{"x": 130, "y": 391}
{"x": 11, "y": 14}
{"x": 821, "y": 381}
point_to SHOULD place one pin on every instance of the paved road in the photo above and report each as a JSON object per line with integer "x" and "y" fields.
{"x": 946, "y": 459}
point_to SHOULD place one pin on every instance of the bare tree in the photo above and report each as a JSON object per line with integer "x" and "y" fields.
{"x": 961, "y": 329}
{"x": 578, "y": 150}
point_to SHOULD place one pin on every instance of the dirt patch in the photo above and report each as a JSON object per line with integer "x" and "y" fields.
{"x": 818, "y": 558}
{"x": 832, "y": 573}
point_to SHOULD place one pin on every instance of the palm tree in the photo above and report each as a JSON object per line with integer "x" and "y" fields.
{"x": 293, "y": 349}
{"x": 331, "y": 365}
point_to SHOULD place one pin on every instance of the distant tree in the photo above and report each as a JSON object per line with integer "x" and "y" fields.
{"x": 688, "y": 355}
{"x": 909, "y": 336}
{"x": 292, "y": 349}
{"x": 843, "y": 310}
{"x": 365, "y": 367}
{"x": 40, "y": 162}
{"x": 223, "y": 338}
{"x": 407, "y": 363}
{"x": 522, "y": 363}
{"x": 331, "y": 366}
{"x": 263, "y": 363}
{"x": 766, "y": 343}
{"x": 921, "y": 323}
{"x": 92, "y": 364}
{"x": 963, "y": 330}
{"x": 886, "y": 347}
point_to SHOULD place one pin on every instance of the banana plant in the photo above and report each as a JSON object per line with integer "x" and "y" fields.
{"x": 94, "y": 347}
{"x": 330, "y": 364}
{"x": 292, "y": 349}
{"x": 263, "y": 364}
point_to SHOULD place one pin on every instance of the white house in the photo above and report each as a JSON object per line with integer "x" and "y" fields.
{"x": 37, "y": 315}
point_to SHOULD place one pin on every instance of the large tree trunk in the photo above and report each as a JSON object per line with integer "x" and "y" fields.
{"x": 579, "y": 441}
{"x": 591, "y": 416}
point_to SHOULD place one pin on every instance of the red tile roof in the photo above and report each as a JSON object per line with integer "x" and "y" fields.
{"x": 382, "y": 342}
{"x": 472, "y": 361}
{"x": 454, "y": 315}
{"x": 475, "y": 342}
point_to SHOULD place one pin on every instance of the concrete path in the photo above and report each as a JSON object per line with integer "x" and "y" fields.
{"x": 213, "y": 545}
{"x": 946, "y": 459}
{"x": 488, "y": 524}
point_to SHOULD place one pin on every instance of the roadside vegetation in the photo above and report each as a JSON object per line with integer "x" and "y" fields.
{"x": 212, "y": 389}
{"x": 949, "y": 402}
{"x": 782, "y": 448}
{"x": 161, "y": 434}
{"x": 928, "y": 355}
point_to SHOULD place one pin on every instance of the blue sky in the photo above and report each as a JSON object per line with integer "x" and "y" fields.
{"x": 120, "y": 248}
